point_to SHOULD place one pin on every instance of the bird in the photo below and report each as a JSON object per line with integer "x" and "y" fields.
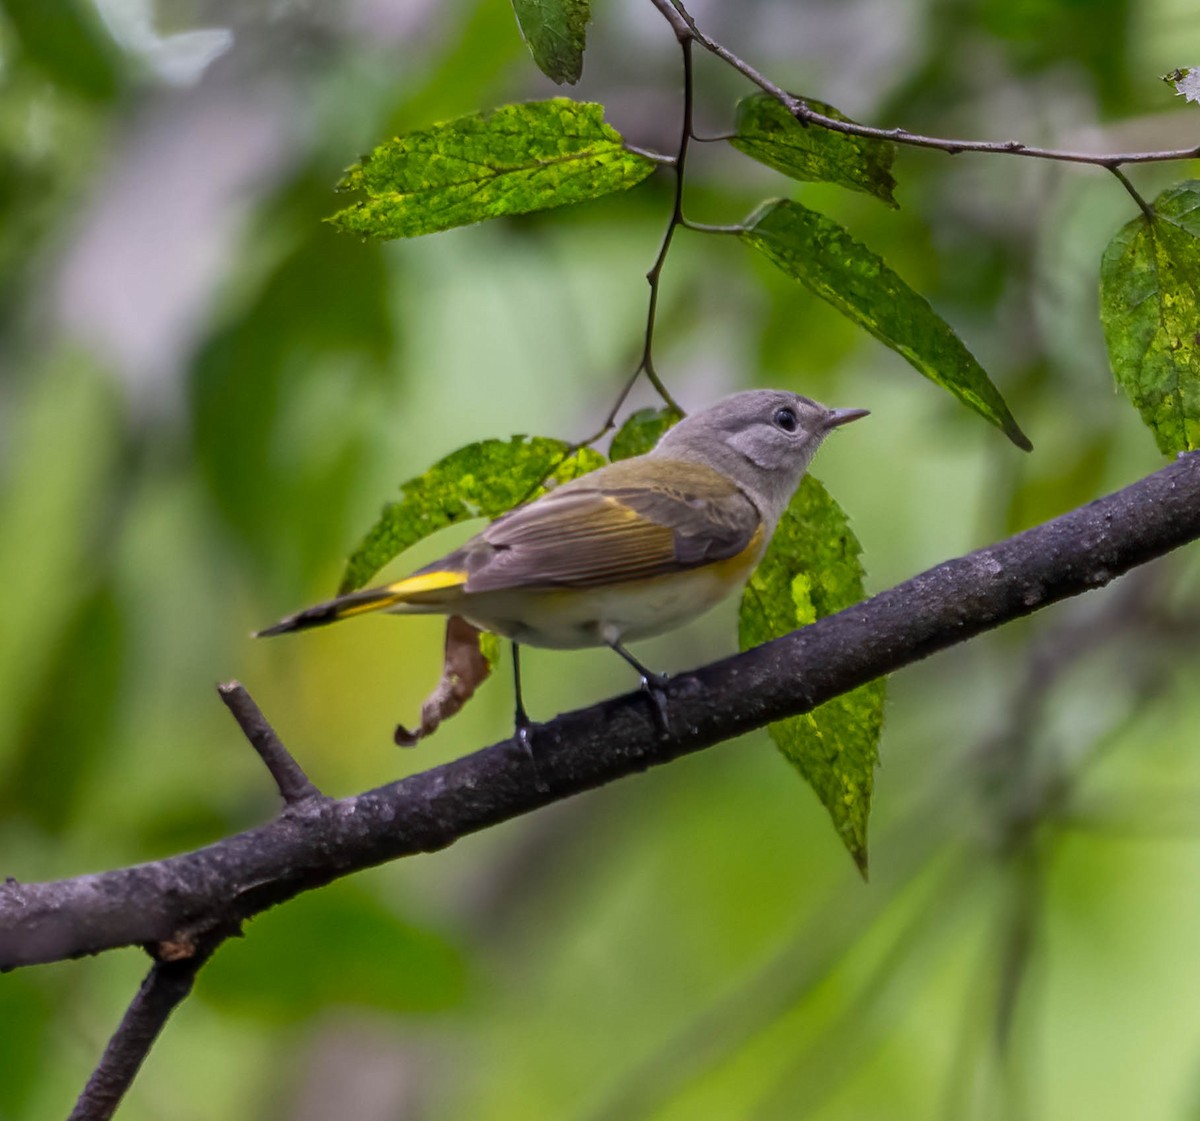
{"x": 631, "y": 550}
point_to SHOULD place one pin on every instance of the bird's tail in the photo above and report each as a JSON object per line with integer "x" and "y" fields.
{"x": 421, "y": 591}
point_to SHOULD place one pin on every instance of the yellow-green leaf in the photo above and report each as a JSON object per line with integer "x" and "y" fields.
{"x": 641, "y": 431}
{"x": 1150, "y": 306}
{"x": 556, "y": 33}
{"x": 480, "y": 480}
{"x": 823, "y": 256}
{"x": 767, "y": 132}
{"x": 811, "y": 570}
{"x": 517, "y": 159}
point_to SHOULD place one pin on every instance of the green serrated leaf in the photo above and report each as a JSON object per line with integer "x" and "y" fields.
{"x": 767, "y": 132}
{"x": 581, "y": 461}
{"x": 822, "y": 255}
{"x": 481, "y": 480}
{"x": 641, "y": 431}
{"x": 517, "y": 159}
{"x": 1150, "y": 307}
{"x": 811, "y": 570}
{"x": 556, "y": 33}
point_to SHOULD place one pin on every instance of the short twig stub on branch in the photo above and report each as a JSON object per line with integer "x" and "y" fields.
{"x": 293, "y": 784}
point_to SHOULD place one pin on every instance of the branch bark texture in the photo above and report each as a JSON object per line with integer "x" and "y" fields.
{"x": 184, "y": 899}
{"x": 165, "y": 986}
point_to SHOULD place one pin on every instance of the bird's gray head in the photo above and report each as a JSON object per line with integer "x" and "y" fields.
{"x": 763, "y": 439}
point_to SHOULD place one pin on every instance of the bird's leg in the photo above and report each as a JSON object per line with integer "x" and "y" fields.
{"x": 522, "y": 717}
{"x": 653, "y": 685}
{"x": 524, "y": 726}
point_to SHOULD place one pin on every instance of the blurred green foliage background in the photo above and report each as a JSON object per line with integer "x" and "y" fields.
{"x": 206, "y": 394}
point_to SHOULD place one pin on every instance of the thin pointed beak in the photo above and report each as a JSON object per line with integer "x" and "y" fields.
{"x": 837, "y": 417}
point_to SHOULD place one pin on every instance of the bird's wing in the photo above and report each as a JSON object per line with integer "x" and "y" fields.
{"x": 628, "y": 521}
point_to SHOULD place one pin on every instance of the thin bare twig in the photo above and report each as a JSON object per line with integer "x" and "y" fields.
{"x": 807, "y": 115}
{"x": 293, "y": 784}
{"x": 678, "y": 21}
{"x": 654, "y": 275}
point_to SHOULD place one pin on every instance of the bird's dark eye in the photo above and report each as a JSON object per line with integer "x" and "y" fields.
{"x": 785, "y": 418}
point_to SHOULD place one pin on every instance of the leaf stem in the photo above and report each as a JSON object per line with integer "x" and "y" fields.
{"x": 654, "y": 275}
{"x": 645, "y": 365}
{"x": 1123, "y": 179}
{"x": 705, "y": 228}
{"x": 646, "y": 153}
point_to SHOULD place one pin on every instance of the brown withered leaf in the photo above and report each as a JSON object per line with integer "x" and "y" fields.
{"x": 465, "y": 667}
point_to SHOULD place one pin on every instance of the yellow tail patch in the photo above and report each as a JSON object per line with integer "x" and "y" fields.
{"x": 422, "y": 582}
{"x": 411, "y": 590}
{"x": 350, "y": 608}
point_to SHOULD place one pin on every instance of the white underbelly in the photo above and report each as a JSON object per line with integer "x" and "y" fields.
{"x": 570, "y": 618}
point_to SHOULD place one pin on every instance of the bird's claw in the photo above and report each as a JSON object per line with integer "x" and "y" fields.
{"x": 524, "y": 737}
{"x": 654, "y": 686}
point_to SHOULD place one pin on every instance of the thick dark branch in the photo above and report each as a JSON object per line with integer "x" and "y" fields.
{"x": 214, "y": 888}
{"x": 165, "y": 986}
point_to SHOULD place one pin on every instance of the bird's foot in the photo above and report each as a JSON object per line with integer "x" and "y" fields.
{"x": 654, "y": 685}
{"x": 523, "y": 734}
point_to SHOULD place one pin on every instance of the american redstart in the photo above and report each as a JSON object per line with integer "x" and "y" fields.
{"x": 631, "y": 550}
